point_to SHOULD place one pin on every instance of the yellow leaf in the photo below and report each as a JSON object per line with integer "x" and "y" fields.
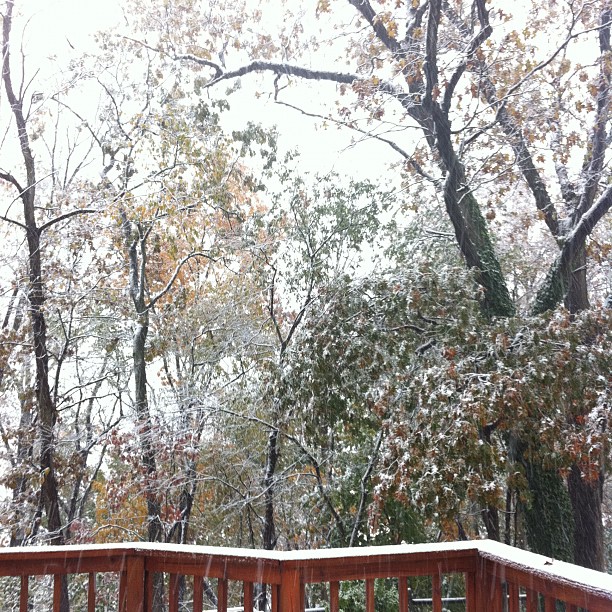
{"x": 323, "y": 6}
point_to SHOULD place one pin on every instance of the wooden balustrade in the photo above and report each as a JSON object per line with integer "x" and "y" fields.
{"x": 494, "y": 577}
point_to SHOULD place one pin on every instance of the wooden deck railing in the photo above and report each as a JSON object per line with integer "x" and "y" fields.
{"x": 492, "y": 577}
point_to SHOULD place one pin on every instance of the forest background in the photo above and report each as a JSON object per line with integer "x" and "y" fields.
{"x": 401, "y": 335}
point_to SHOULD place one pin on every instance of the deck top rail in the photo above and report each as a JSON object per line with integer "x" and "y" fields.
{"x": 493, "y": 572}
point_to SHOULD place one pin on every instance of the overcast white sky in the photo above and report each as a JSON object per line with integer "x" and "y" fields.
{"x": 63, "y": 28}
{"x": 54, "y": 21}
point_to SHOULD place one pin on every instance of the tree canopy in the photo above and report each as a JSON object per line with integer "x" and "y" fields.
{"x": 205, "y": 341}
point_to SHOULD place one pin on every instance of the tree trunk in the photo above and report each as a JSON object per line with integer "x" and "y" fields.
{"x": 144, "y": 424}
{"x": 548, "y": 518}
{"x": 577, "y": 298}
{"x": 470, "y": 227}
{"x": 135, "y": 243}
{"x": 269, "y": 529}
{"x": 46, "y": 409}
{"x": 490, "y": 517}
{"x": 154, "y": 526}
{"x": 47, "y": 414}
{"x": 586, "y": 498}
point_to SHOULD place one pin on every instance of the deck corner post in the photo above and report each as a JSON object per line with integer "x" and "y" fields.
{"x": 135, "y": 584}
{"x": 493, "y": 586}
{"x": 482, "y": 592}
{"x": 291, "y": 590}
{"x": 472, "y": 603}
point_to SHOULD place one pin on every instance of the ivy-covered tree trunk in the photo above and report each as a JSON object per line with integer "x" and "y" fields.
{"x": 586, "y": 495}
{"x": 548, "y": 516}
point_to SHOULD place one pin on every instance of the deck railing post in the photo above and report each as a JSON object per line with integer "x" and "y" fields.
{"x": 247, "y": 597}
{"x": 222, "y": 595}
{"x": 133, "y": 596}
{"x": 480, "y": 586}
{"x": 57, "y": 593}
{"x": 291, "y": 591}
{"x": 23, "y": 594}
{"x": 334, "y": 596}
{"x": 370, "y": 599}
{"x": 275, "y": 605}
{"x": 472, "y": 603}
{"x": 91, "y": 592}
{"x": 492, "y": 587}
{"x": 513, "y": 597}
{"x": 531, "y": 601}
{"x": 436, "y": 592}
{"x": 402, "y": 586}
{"x": 173, "y": 592}
{"x": 198, "y": 594}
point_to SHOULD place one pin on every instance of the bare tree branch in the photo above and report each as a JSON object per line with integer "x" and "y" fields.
{"x": 9, "y": 178}
{"x": 363, "y": 487}
{"x": 68, "y": 215}
{"x": 189, "y": 57}
{"x": 524, "y": 159}
{"x": 485, "y": 31}
{"x": 430, "y": 66}
{"x": 594, "y": 161}
{"x": 367, "y": 12}
{"x": 174, "y": 276}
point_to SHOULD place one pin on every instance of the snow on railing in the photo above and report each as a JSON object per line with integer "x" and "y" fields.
{"x": 486, "y": 575}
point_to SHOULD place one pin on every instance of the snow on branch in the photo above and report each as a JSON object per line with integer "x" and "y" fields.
{"x": 287, "y": 69}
